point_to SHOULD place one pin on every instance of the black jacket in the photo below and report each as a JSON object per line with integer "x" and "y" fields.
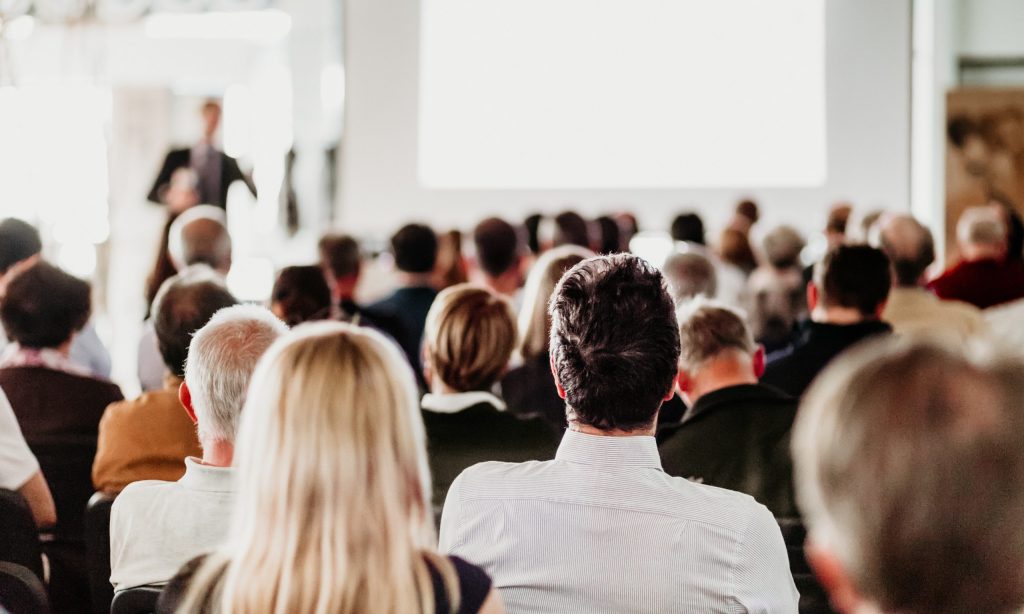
{"x": 793, "y": 369}
{"x": 737, "y": 438}
{"x": 178, "y": 158}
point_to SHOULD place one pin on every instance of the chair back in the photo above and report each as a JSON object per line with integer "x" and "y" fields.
{"x": 97, "y": 548}
{"x": 19, "y": 539}
{"x": 21, "y": 591}
{"x": 813, "y": 598}
{"x": 67, "y": 467}
{"x": 139, "y": 600}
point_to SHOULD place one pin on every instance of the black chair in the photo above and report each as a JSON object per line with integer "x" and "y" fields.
{"x": 97, "y": 548}
{"x": 813, "y": 598}
{"x": 19, "y": 539}
{"x": 67, "y": 466}
{"x": 139, "y": 600}
{"x": 21, "y": 591}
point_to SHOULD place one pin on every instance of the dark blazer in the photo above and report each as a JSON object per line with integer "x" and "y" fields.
{"x": 479, "y": 433}
{"x": 737, "y": 438}
{"x": 406, "y": 311}
{"x": 178, "y": 158}
{"x": 793, "y": 369}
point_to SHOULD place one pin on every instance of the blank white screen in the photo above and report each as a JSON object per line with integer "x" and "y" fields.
{"x": 621, "y": 93}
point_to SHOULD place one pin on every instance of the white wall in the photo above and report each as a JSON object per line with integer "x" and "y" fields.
{"x": 868, "y": 98}
{"x": 990, "y": 28}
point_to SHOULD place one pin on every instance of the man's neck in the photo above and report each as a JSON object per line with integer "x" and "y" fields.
{"x": 505, "y": 284}
{"x": 415, "y": 280}
{"x": 837, "y": 315}
{"x": 586, "y": 429}
{"x": 720, "y": 374}
{"x": 218, "y": 453}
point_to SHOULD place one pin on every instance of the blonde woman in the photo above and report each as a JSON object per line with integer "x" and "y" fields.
{"x": 469, "y": 338}
{"x": 331, "y": 514}
{"x": 529, "y": 388}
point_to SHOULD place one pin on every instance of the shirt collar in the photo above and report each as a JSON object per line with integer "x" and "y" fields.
{"x": 207, "y": 477}
{"x": 609, "y": 451}
{"x": 458, "y": 401}
{"x": 15, "y": 355}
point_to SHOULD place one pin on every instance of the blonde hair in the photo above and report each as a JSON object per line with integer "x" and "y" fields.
{"x": 534, "y": 320}
{"x": 331, "y": 513}
{"x": 470, "y": 334}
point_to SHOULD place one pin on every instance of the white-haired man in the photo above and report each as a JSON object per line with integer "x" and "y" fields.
{"x": 910, "y": 474}
{"x": 984, "y": 276}
{"x": 156, "y": 527}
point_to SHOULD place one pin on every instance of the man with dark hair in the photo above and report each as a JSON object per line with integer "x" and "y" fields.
{"x": 736, "y": 433}
{"x": 601, "y": 527}
{"x": 498, "y": 255}
{"x": 148, "y": 438}
{"x": 414, "y": 248}
{"x": 846, "y": 299}
{"x": 688, "y": 227}
{"x": 341, "y": 263}
{"x": 911, "y": 309}
{"x": 571, "y": 229}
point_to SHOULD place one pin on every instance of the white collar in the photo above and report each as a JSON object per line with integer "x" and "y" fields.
{"x": 458, "y": 401}
{"x": 207, "y": 477}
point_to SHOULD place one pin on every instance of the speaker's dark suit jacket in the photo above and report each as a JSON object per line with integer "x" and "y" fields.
{"x": 182, "y": 158}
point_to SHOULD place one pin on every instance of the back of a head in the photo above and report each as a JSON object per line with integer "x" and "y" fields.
{"x": 749, "y": 210}
{"x": 614, "y": 341}
{"x": 185, "y": 303}
{"x": 909, "y": 471}
{"x": 18, "y": 241}
{"x": 497, "y": 246}
{"x": 331, "y": 458}
{"x": 221, "y": 359}
{"x": 838, "y": 218}
{"x": 470, "y": 334}
{"x": 855, "y": 276}
{"x": 910, "y": 248}
{"x": 981, "y": 226}
{"x": 688, "y": 227}
{"x": 339, "y": 255}
{"x": 414, "y": 247}
{"x": 534, "y": 319}
{"x": 709, "y": 330}
{"x": 200, "y": 236}
{"x": 782, "y": 247}
{"x": 43, "y": 306}
{"x": 689, "y": 274}
{"x": 611, "y": 234}
{"x": 571, "y": 229}
{"x": 301, "y": 294}
{"x": 734, "y": 248}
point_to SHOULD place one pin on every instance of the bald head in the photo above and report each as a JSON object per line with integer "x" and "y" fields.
{"x": 981, "y": 233}
{"x": 200, "y": 236}
{"x": 909, "y": 246}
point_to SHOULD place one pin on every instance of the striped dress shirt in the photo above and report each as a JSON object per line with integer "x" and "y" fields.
{"x": 603, "y": 529}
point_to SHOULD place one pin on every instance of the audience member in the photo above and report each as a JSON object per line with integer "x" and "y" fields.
{"x": 776, "y": 292}
{"x": 158, "y": 526}
{"x": 846, "y": 299}
{"x": 611, "y": 235}
{"x": 342, "y": 263}
{"x": 498, "y": 256}
{"x": 20, "y": 248}
{"x": 198, "y": 236}
{"x": 736, "y": 433}
{"x": 19, "y": 469}
{"x": 149, "y": 438}
{"x": 532, "y": 225}
{"x": 628, "y": 227}
{"x": 911, "y": 309}
{"x": 331, "y": 510}
{"x": 301, "y": 294}
{"x": 835, "y": 226}
{"x": 605, "y": 498}
{"x": 451, "y": 266}
{"x": 469, "y": 338}
{"x": 571, "y": 229}
{"x": 688, "y": 228}
{"x": 734, "y": 248}
{"x": 910, "y": 475}
{"x": 414, "y": 248}
{"x": 745, "y": 216}
{"x": 983, "y": 277}
{"x": 689, "y": 274}
{"x": 528, "y": 389}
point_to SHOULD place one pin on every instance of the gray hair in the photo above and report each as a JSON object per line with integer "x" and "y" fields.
{"x": 200, "y": 236}
{"x": 981, "y": 226}
{"x": 707, "y": 329}
{"x": 909, "y": 470}
{"x": 689, "y": 274}
{"x": 910, "y": 248}
{"x": 220, "y": 362}
{"x": 782, "y": 247}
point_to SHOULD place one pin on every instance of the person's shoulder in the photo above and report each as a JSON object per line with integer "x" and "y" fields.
{"x": 143, "y": 490}
{"x": 713, "y": 505}
{"x": 496, "y": 474}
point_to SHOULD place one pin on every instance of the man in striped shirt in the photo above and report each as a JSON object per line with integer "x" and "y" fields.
{"x": 602, "y": 528}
